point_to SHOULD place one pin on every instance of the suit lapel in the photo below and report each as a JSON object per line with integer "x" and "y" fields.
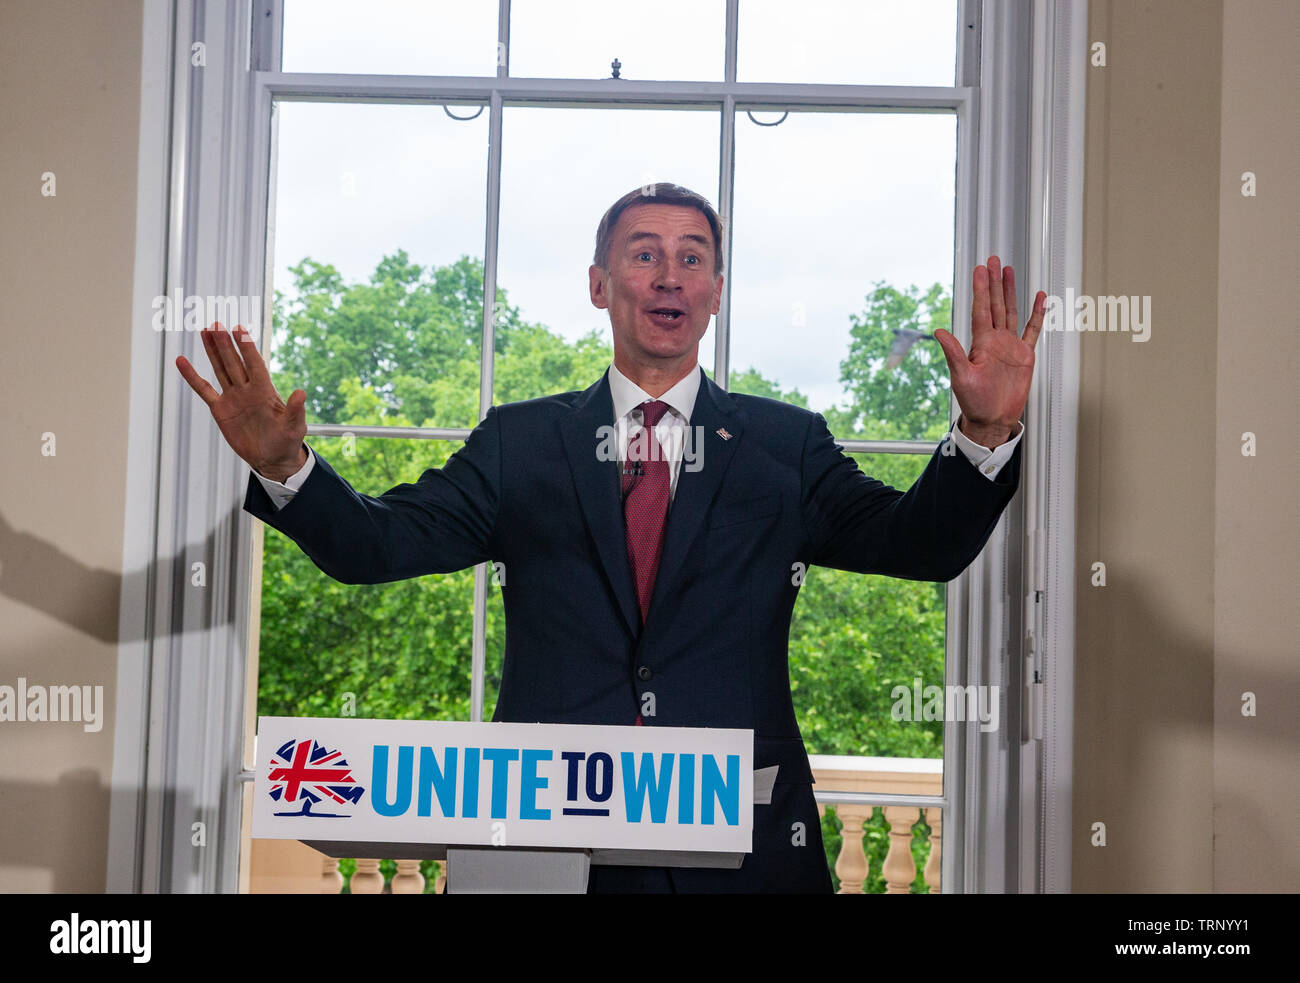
{"x": 597, "y": 484}
{"x": 714, "y": 410}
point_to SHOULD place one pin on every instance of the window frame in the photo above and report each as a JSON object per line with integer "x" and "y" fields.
{"x": 192, "y": 761}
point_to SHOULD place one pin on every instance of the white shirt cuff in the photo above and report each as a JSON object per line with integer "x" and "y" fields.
{"x": 282, "y": 493}
{"x": 989, "y": 462}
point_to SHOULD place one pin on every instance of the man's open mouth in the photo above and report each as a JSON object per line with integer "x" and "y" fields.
{"x": 667, "y": 315}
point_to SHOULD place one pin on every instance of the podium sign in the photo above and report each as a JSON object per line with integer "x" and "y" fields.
{"x": 351, "y": 780}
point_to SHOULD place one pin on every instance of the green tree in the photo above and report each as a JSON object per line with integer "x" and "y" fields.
{"x": 751, "y": 382}
{"x": 410, "y": 335}
{"x": 904, "y": 401}
{"x": 399, "y": 650}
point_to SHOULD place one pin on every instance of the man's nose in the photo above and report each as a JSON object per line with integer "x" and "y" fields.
{"x": 668, "y": 278}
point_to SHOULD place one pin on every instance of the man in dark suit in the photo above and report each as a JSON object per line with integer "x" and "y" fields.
{"x": 653, "y": 527}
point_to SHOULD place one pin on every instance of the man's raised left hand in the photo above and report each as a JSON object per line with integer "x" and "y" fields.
{"x": 992, "y": 383}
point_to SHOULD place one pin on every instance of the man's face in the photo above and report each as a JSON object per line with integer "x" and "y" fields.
{"x": 661, "y": 261}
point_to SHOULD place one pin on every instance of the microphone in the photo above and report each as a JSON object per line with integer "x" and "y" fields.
{"x": 633, "y": 472}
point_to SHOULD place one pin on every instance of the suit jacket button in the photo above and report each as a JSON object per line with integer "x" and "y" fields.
{"x": 644, "y": 673}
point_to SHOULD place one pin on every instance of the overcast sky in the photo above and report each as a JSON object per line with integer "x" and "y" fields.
{"x": 825, "y": 203}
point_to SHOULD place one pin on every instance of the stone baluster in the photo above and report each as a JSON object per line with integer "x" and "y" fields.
{"x": 899, "y": 868}
{"x": 367, "y": 879}
{"x": 934, "y": 816}
{"x": 331, "y": 881}
{"x": 408, "y": 879}
{"x": 440, "y": 885}
{"x": 851, "y": 865}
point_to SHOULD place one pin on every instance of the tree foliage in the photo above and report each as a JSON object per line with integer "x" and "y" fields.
{"x": 906, "y": 401}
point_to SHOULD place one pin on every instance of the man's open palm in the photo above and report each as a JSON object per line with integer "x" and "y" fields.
{"x": 258, "y": 425}
{"x": 992, "y": 383}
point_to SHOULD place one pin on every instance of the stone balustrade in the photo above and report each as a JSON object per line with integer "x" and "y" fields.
{"x": 862, "y": 777}
{"x": 865, "y": 777}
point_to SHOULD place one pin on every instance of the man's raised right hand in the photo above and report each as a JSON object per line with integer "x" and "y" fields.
{"x": 258, "y": 425}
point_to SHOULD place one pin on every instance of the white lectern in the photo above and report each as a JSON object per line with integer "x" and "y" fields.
{"x": 511, "y": 808}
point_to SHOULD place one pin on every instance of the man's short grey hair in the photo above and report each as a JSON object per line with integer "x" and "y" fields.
{"x": 657, "y": 194}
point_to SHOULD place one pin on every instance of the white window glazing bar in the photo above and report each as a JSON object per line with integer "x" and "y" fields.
{"x": 462, "y": 433}
{"x": 478, "y": 644}
{"x": 726, "y": 197}
{"x": 326, "y": 87}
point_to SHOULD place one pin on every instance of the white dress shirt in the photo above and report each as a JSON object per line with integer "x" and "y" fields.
{"x": 670, "y": 432}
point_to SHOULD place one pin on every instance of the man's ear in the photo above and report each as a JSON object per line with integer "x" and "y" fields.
{"x": 717, "y": 296}
{"x": 596, "y": 284}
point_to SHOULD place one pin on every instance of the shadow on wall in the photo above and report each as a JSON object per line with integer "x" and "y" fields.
{"x": 44, "y": 828}
{"x": 61, "y": 826}
{"x": 1147, "y": 685}
{"x": 46, "y": 579}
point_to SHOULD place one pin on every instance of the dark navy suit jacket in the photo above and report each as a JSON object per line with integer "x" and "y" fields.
{"x": 529, "y": 489}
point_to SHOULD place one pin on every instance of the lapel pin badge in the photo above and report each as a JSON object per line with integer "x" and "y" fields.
{"x": 722, "y": 432}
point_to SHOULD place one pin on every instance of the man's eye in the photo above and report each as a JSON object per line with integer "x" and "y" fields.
{"x": 696, "y": 258}
{"x": 642, "y": 254}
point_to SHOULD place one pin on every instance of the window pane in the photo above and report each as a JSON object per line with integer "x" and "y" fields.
{"x": 379, "y": 219}
{"x": 673, "y": 39}
{"x": 866, "y": 42}
{"x": 561, "y": 171}
{"x": 837, "y": 279}
{"x": 390, "y": 37}
{"x": 854, "y": 637}
{"x": 401, "y": 649}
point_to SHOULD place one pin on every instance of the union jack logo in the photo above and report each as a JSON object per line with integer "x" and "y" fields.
{"x": 307, "y": 772}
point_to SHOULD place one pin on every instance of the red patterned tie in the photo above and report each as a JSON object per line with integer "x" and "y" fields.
{"x": 646, "y": 483}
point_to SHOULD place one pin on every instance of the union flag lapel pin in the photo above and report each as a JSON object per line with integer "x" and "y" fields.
{"x": 722, "y": 432}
